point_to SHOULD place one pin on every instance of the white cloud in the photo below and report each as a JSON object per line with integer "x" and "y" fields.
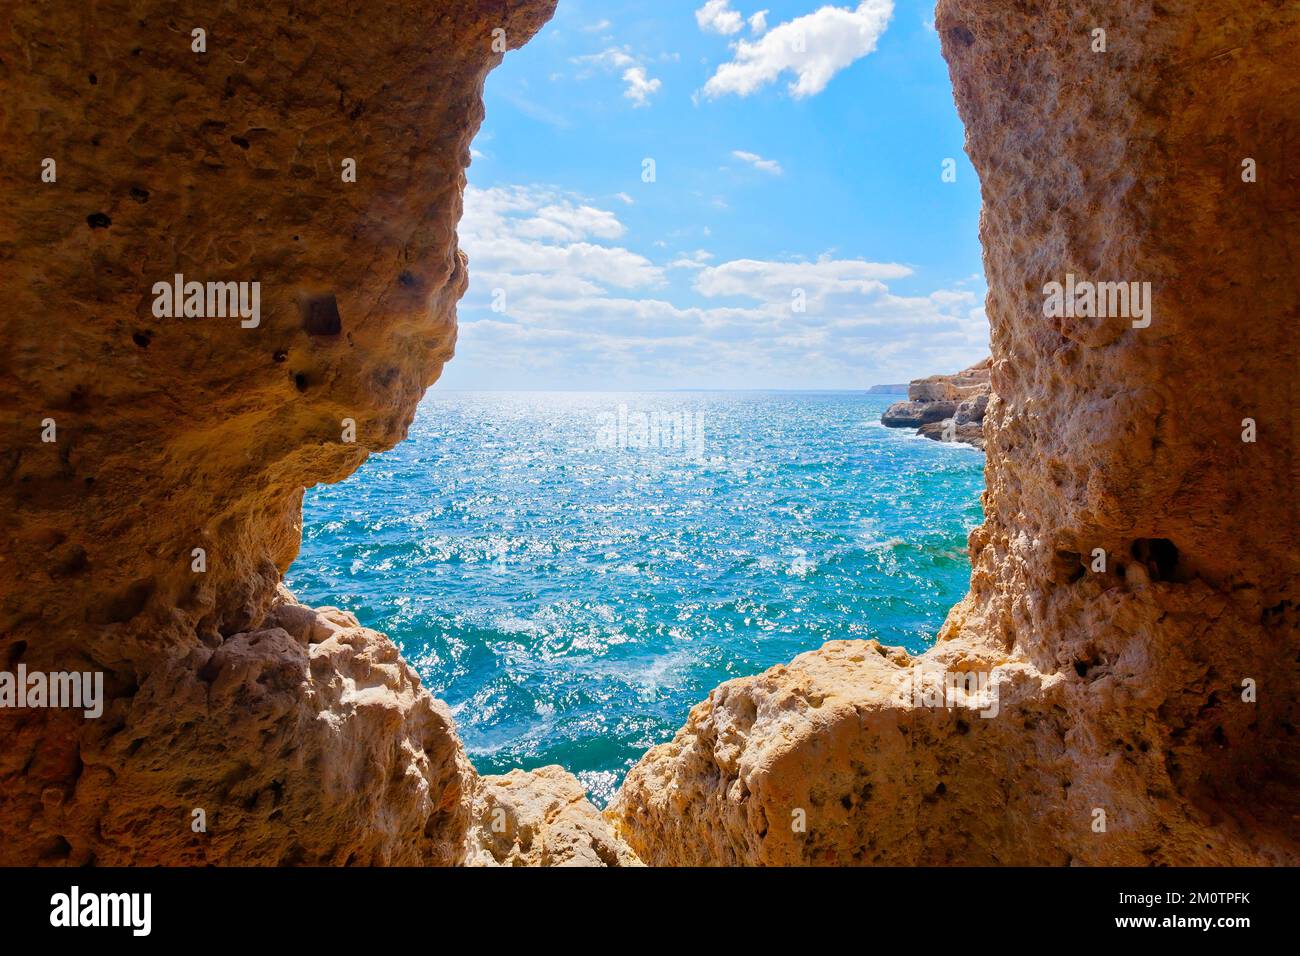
{"x": 566, "y": 222}
{"x": 813, "y": 47}
{"x": 582, "y": 311}
{"x": 625, "y": 198}
{"x": 597, "y": 27}
{"x": 610, "y": 58}
{"x": 758, "y": 22}
{"x": 820, "y": 281}
{"x": 519, "y": 231}
{"x": 691, "y": 260}
{"x": 639, "y": 86}
{"x": 758, "y": 162}
{"x": 716, "y": 16}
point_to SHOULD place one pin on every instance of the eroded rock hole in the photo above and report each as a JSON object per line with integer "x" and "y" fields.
{"x": 320, "y": 315}
{"x": 1160, "y": 556}
{"x": 961, "y": 34}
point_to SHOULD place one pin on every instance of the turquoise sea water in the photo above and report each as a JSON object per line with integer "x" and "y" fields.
{"x": 571, "y": 581}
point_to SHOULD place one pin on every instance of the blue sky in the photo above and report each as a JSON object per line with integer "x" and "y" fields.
{"x": 798, "y": 157}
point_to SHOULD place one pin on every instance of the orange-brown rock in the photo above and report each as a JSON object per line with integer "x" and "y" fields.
{"x": 302, "y": 737}
{"x": 540, "y": 818}
{"x": 1147, "y": 704}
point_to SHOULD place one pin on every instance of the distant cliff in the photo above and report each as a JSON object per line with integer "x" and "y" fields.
{"x": 887, "y": 390}
{"x": 946, "y": 407}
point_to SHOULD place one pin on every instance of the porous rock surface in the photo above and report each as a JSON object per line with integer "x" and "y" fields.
{"x": 540, "y": 818}
{"x": 1147, "y": 705}
{"x": 303, "y": 738}
{"x": 300, "y": 736}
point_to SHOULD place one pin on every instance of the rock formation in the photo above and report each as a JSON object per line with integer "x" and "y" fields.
{"x": 541, "y": 818}
{"x": 946, "y": 407}
{"x": 1128, "y": 649}
{"x": 1134, "y": 596}
{"x": 154, "y": 466}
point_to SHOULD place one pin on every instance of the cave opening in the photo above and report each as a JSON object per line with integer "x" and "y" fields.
{"x": 574, "y": 546}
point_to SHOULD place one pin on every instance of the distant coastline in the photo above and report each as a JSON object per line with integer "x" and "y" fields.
{"x": 945, "y": 407}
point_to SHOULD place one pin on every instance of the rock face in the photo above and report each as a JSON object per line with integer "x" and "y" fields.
{"x": 1127, "y": 655}
{"x": 1135, "y": 599}
{"x": 144, "y": 538}
{"x": 541, "y": 818}
{"x": 946, "y": 407}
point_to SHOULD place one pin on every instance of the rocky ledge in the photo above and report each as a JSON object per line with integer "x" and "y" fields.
{"x": 946, "y": 407}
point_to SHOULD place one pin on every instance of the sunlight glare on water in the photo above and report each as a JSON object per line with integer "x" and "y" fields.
{"x": 571, "y": 599}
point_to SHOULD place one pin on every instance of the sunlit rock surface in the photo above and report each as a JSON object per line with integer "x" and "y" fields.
{"x": 1146, "y": 705}
{"x": 301, "y": 737}
{"x": 946, "y": 407}
{"x": 540, "y": 818}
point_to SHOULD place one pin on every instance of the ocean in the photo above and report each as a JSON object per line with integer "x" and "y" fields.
{"x": 572, "y": 572}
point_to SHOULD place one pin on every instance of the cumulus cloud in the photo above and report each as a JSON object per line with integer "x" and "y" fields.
{"x": 758, "y": 162}
{"x": 639, "y": 86}
{"x": 524, "y": 231}
{"x": 758, "y": 22}
{"x": 716, "y": 16}
{"x": 813, "y": 48}
{"x": 582, "y": 310}
{"x": 610, "y": 58}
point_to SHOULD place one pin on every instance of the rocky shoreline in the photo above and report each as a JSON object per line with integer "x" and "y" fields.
{"x": 946, "y": 407}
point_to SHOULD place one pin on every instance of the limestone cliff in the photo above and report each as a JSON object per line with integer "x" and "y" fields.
{"x": 946, "y": 407}
{"x": 1133, "y": 604}
{"x": 154, "y": 466}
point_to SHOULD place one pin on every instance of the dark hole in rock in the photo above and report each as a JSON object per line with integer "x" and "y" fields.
{"x": 300, "y": 382}
{"x": 1068, "y": 566}
{"x": 961, "y": 34}
{"x": 142, "y": 339}
{"x": 1160, "y": 556}
{"x": 126, "y": 604}
{"x": 279, "y": 355}
{"x": 94, "y": 80}
{"x": 56, "y": 849}
{"x": 320, "y": 315}
{"x": 406, "y": 279}
{"x": 16, "y": 651}
{"x": 239, "y": 141}
{"x": 97, "y": 220}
